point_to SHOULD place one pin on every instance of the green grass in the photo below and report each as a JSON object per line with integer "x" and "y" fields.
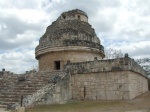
{"x": 78, "y": 106}
{"x": 138, "y": 104}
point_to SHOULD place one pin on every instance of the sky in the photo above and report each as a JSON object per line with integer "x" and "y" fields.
{"x": 122, "y": 24}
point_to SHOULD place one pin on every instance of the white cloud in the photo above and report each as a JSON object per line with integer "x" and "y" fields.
{"x": 18, "y": 61}
{"x": 121, "y": 23}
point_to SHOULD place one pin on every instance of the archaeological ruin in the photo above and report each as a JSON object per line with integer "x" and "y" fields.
{"x": 71, "y": 66}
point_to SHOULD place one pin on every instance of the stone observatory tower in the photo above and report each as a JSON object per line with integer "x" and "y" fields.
{"x": 69, "y": 38}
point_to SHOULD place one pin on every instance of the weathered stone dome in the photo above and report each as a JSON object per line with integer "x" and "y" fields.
{"x": 71, "y": 31}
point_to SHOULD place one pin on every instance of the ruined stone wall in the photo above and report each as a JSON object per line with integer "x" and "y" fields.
{"x": 46, "y": 62}
{"x": 115, "y": 79}
{"x": 121, "y": 85}
{"x": 105, "y": 86}
{"x": 120, "y": 64}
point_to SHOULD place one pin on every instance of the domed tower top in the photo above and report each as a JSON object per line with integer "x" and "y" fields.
{"x": 74, "y": 15}
{"x": 69, "y": 38}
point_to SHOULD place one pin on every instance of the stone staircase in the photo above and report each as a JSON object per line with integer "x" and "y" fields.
{"x": 31, "y": 89}
{"x": 6, "y": 82}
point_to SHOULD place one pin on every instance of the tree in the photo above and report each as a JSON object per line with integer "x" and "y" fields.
{"x": 145, "y": 64}
{"x": 113, "y": 53}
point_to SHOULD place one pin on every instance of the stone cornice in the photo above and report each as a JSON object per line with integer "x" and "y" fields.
{"x": 67, "y": 48}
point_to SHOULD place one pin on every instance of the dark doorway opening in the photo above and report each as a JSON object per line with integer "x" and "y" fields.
{"x": 78, "y": 17}
{"x": 57, "y": 65}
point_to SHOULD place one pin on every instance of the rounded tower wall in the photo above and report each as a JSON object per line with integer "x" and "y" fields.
{"x": 47, "y": 61}
{"x": 69, "y": 38}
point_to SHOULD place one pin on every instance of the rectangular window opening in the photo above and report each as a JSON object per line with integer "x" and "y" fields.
{"x": 57, "y": 65}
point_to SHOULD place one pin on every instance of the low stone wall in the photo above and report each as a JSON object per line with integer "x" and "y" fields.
{"x": 120, "y": 64}
{"x": 116, "y": 79}
{"x": 122, "y": 85}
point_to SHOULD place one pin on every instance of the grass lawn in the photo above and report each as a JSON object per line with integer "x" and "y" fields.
{"x": 139, "y": 104}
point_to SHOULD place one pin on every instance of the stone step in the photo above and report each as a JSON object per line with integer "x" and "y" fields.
{"x": 23, "y": 91}
{"x": 7, "y": 102}
{"x": 38, "y": 82}
{"x": 25, "y": 88}
{"x": 10, "y": 99}
{"x": 9, "y": 96}
{"x": 14, "y": 93}
{"x": 3, "y": 110}
{"x": 3, "y": 106}
{"x": 32, "y": 83}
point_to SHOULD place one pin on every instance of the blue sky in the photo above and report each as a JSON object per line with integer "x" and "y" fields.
{"x": 121, "y": 24}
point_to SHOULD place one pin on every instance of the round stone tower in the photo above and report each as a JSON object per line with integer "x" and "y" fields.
{"x": 69, "y": 38}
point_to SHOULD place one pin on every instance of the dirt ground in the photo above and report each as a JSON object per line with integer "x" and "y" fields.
{"x": 139, "y": 104}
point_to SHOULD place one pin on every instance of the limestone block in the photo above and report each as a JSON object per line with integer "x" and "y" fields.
{"x": 121, "y": 81}
{"x": 92, "y": 83}
{"x": 126, "y": 95}
{"x": 101, "y": 94}
{"x": 112, "y": 87}
{"x": 85, "y": 83}
{"x": 78, "y": 83}
{"x": 94, "y": 97}
{"x": 119, "y": 95}
{"x": 111, "y": 95}
{"x": 58, "y": 89}
{"x": 110, "y": 77}
{"x": 21, "y": 109}
{"x": 82, "y": 89}
{"x": 56, "y": 97}
{"x": 2, "y": 109}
